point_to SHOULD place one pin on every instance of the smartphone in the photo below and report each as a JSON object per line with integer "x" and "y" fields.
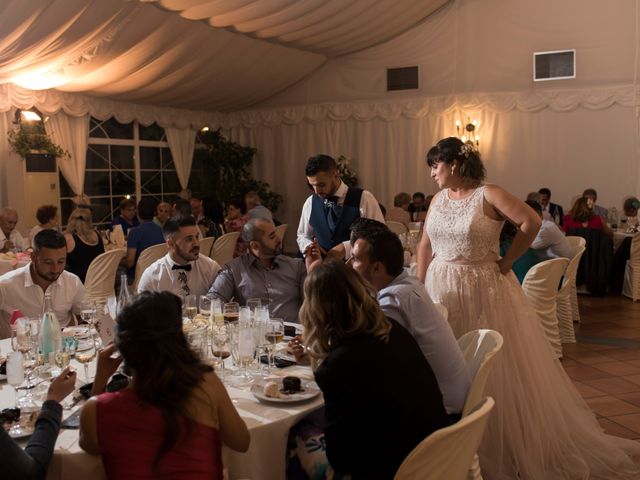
{"x": 277, "y": 361}
{"x": 72, "y": 421}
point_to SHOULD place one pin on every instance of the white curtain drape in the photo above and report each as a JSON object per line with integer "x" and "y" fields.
{"x": 72, "y": 134}
{"x": 182, "y": 142}
{"x": 5, "y": 125}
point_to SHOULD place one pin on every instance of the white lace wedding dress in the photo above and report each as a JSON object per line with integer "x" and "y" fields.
{"x": 541, "y": 429}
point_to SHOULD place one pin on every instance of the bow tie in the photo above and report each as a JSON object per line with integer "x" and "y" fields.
{"x": 186, "y": 267}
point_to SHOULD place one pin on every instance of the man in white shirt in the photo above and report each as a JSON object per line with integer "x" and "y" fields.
{"x": 24, "y": 288}
{"x": 183, "y": 271}
{"x": 550, "y": 242}
{"x": 10, "y": 238}
{"x": 328, "y": 213}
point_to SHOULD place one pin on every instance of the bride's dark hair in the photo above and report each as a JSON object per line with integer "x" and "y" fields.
{"x": 150, "y": 338}
{"x": 450, "y": 149}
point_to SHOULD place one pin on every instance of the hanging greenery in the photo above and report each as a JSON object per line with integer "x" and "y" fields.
{"x": 23, "y": 142}
{"x": 348, "y": 176}
{"x": 226, "y": 171}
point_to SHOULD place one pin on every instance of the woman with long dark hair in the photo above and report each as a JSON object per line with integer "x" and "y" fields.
{"x": 175, "y": 415}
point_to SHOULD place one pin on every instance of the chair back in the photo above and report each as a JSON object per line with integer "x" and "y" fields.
{"x": 447, "y": 453}
{"x": 281, "y": 231}
{"x": 479, "y": 347}
{"x": 206, "y": 245}
{"x": 101, "y": 275}
{"x": 442, "y": 310}
{"x": 397, "y": 227}
{"x": 634, "y": 257}
{"x": 540, "y": 285}
{"x": 575, "y": 241}
{"x": 567, "y": 301}
{"x": 223, "y": 248}
{"x": 146, "y": 258}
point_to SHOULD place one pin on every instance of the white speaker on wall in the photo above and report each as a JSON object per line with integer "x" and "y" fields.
{"x": 554, "y": 65}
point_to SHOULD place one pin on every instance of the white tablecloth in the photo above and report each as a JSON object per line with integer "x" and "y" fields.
{"x": 8, "y": 265}
{"x": 268, "y": 425}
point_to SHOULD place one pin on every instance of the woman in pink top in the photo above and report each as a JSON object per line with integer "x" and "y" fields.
{"x": 173, "y": 418}
{"x": 236, "y": 218}
{"x": 583, "y": 216}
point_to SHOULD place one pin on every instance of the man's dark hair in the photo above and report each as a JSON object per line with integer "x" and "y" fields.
{"x": 384, "y": 246}
{"x": 173, "y": 225}
{"x": 535, "y": 205}
{"x": 49, "y": 239}
{"x": 365, "y": 226}
{"x": 545, "y": 191}
{"x": 319, "y": 163}
{"x": 418, "y": 195}
{"x": 46, "y": 213}
{"x": 182, "y": 207}
{"x": 147, "y": 208}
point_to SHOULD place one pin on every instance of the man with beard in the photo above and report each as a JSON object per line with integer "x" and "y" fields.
{"x": 263, "y": 273}
{"x": 183, "y": 270}
{"x": 24, "y": 288}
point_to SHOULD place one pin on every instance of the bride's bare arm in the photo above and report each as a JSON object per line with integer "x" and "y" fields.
{"x": 521, "y": 215}
{"x": 424, "y": 252}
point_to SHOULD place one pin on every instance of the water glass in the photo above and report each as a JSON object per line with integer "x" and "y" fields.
{"x": 205, "y": 305}
{"x": 231, "y": 311}
{"x": 15, "y": 371}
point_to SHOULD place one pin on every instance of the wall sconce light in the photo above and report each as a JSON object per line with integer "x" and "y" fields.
{"x": 469, "y": 135}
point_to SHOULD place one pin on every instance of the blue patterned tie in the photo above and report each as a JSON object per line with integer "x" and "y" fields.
{"x": 333, "y": 211}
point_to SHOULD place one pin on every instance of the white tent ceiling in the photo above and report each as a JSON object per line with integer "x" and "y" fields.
{"x": 209, "y": 55}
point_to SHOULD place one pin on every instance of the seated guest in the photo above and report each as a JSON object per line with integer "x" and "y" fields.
{"x": 33, "y": 461}
{"x": 181, "y": 208}
{"x": 24, "y": 288}
{"x": 183, "y": 270}
{"x": 582, "y": 215}
{"x": 214, "y": 212}
{"x": 163, "y": 213}
{"x": 144, "y": 236}
{"x": 527, "y": 260}
{"x": 550, "y": 242}
{"x": 377, "y": 255}
{"x": 127, "y": 217}
{"x": 83, "y": 242}
{"x": 48, "y": 218}
{"x": 630, "y": 209}
{"x": 263, "y": 272}
{"x": 10, "y": 238}
{"x": 375, "y": 415}
{"x": 417, "y": 208}
{"x": 174, "y": 417}
{"x": 400, "y": 211}
{"x": 550, "y": 211}
{"x": 207, "y": 226}
{"x": 254, "y": 207}
{"x": 236, "y": 218}
{"x": 591, "y": 194}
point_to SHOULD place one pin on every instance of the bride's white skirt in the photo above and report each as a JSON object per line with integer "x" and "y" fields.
{"x": 541, "y": 428}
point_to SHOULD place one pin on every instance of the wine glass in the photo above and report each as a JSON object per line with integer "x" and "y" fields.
{"x": 15, "y": 377}
{"x": 254, "y": 303}
{"x": 231, "y": 311}
{"x": 190, "y": 306}
{"x": 274, "y": 334}
{"x": 220, "y": 347}
{"x": 88, "y": 315}
{"x": 85, "y": 357}
{"x": 243, "y": 343}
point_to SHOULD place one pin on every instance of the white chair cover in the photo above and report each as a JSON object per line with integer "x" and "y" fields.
{"x": 575, "y": 241}
{"x": 206, "y": 246}
{"x": 223, "y": 248}
{"x": 397, "y": 227}
{"x": 448, "y": 452}
{"x": 101, "y": 275}
{"x": 146, "y": 258}
{"x": 564, "y": 303}
{"x": 631, "y": 285}
{"x": 281, "y": 231}
{"x": 540, "y": 285}
{"x": 442, "y": 309}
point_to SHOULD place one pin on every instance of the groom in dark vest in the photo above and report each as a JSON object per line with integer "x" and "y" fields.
{"x": 330, "y": 211}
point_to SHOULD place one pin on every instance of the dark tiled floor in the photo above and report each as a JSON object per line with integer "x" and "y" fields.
{"x": 605, "y": 362}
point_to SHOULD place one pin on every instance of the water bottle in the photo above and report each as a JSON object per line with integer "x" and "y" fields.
{"x": 50, "y": 337}
{"x": 124, "y": 297}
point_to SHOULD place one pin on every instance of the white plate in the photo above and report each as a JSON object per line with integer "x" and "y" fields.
{"x": 311, "y": 390}
{"x": 24, "y": 434}
{"x": 85, "y": 344}
{"x": 77, "y": 332}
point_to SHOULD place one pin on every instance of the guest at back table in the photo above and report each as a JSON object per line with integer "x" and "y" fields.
{"x": 381, "y": 396}
{"x": 83, "y": 242}
{"x": 127, "y": 216}
{"x": 417, "y": 208}
{"x": 550, "y": 242}
{"x": 236, "y": 218}
{"x": 400, "y": 211}
{"x": 10, "y": 238}
{"x": 630, "y": 209}
{"x": 583, "y": 215}
{"x": 175, "y": 415}
{"x": 48, "y": 219}
{"x": 592, "y": 195}
{"x": 163, "y": 213}
{"x": 550, "y": 211}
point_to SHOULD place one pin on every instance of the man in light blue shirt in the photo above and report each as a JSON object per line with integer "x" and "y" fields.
{"x": 378, "y": 256}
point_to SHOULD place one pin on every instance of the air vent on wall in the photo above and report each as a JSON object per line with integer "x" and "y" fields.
{"x": 556, "y": 65}
{"x": 405, "y": 78}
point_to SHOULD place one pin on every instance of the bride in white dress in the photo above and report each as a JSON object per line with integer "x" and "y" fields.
{"x": 541, "y": 428}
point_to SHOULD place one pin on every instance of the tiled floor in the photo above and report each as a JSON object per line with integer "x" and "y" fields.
{"x": 605, "y": 362}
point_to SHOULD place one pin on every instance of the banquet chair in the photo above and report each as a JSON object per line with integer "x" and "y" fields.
{"x": 568, "y": 298}
{"x": 397, "y": 227}
{"x": 448, "y": 452}
{"x": 540, "y": 285}
{"x": 442, "y": 310}
{"x": 223, "y": 248}
{"x": 206, "y": 245}
{"x": 281, "y": 230}
{"x": 101, "y": 275}
{"x": 574, "y": 241}
{"x": 146, "y": 258}
{"x": 479, "y": 348}
{"x": 631, "y": 285}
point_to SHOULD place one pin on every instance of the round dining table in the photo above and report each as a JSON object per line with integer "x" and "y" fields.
{"x": 268, "y": 424}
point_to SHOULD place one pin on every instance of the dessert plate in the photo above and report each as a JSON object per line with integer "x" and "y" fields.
{"x": 311, "y": 390}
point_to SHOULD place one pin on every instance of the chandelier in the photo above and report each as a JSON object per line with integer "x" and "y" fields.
{"x": 469, "y": 135}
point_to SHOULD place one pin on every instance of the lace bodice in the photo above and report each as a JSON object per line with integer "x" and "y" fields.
{"x": 460, "y": 230}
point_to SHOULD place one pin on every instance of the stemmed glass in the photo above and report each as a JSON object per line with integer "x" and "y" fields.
{"x": 220, "y": 347}
{"x": 274, "y": 334}
{"x": 205, "y": 305}
{"x": 191, "y": 306}
{"x": 24, "y": 340}
{"x": 243, "y": 348}
{"x": 86, "y": 357}
{"x": 15, "y": 377}
{"x": 88, "y": 315}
